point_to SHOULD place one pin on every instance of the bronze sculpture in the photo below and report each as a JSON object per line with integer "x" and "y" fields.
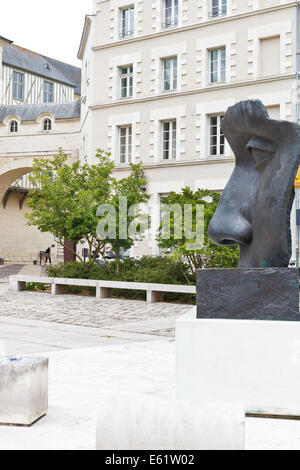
{"x": 254, "y": 212}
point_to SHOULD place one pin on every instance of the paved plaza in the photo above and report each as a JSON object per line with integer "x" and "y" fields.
{"x": 99, "y": 347}
{"x": 87, "y": 311}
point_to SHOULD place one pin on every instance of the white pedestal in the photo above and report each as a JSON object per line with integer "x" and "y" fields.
{"x": 246, "y": 361}
{"x": 23, "y": 390}
{"x": 149, "y": 423}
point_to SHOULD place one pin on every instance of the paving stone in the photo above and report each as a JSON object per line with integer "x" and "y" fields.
{"x": 87, "y": 311}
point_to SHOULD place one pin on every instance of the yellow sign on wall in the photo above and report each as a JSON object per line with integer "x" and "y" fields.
{"x": 297, "y": 180}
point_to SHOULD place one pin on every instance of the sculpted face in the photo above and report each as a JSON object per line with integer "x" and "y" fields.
{"x": 254, "y": 211}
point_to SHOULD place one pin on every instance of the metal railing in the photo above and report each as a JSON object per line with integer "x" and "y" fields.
{"x": 217, "y": 12}
{"x": 23, "y": 183}
{"x": 126, "y": 34}
{"x": 170, "y": 24}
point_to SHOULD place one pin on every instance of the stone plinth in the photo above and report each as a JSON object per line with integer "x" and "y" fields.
{"x": 246, "y": 361}
{"x": 23, "y": 390}
{"x": 249, "y": 293}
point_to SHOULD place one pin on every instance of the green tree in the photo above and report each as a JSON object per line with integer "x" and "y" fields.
{"x": 68, "y": 196}
{"x": 208, "y": 255}
{"x": 131, "y": 221}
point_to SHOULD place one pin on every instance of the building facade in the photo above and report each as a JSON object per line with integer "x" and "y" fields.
{"x": 39, "y": 113}
{"x": 158, "y": 76}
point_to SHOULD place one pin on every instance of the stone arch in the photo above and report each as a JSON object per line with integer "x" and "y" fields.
{"x": 12, "y": 169}
{"x": 19, "y": 243}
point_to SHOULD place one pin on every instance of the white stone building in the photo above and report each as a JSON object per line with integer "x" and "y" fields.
{"x": 159, "y": 75}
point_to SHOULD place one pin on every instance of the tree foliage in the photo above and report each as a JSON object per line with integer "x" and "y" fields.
{"x": 208, "y": 255}
{"x": 69, "y": 195}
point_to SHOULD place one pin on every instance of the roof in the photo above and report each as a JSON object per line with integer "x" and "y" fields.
{"x": 70, "y": 72}
{"x": 16, "y": 56}
{"x": 84, "y": 36}
{"x": 30, "y": 112}
{"x": 2, "y": 38}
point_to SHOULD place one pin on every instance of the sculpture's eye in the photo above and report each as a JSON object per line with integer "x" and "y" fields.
{"x": 260, "y": 157}
{"x": 262, "y": 151}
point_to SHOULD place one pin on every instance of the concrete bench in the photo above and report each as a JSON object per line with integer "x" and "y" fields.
{"x": 103, "y": 288}
{"x": 19, "y": 281}
{"x": 156, "y": 291}
{"x": 59, "y": 285}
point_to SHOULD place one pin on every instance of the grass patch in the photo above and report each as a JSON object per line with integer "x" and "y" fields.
{"x": 37, "y": 286}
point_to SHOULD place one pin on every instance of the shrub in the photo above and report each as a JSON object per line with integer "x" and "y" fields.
{"x": 206, "y": 254}
{"x": 160, "y": 270}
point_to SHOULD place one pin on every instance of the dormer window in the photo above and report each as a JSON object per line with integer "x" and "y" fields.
{"x": 47, "y": 125}
{"x": 13, "y": 127}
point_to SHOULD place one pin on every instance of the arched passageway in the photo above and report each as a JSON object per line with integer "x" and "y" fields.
{"x": 19, "y": 243}
{"x": 10, "y": 172}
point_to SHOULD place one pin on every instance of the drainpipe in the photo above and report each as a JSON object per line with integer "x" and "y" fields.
{"x": 297, "y": 59}
{"x": 297, "y": 108}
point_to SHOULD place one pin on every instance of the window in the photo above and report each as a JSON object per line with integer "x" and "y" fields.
{"x": 170, "y": 74}
{"x": 218, "y": 8}
{"x": 47, "y": 125}
{"x": 169, "y": 140}
{"x": 18, "y": 86}
{"x": 126, "y": 74}
{"x": 218, "y": 65}
{"x": 48, "y": 92}
{"x": 13, "y": 127}
{"x": 127, "y": 22}
{"x": 170, "y": 13}
{"x": 216, "y": 136}
{"x": 125, "y": 133}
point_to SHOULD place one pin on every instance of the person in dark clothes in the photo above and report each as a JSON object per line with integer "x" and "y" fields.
{"x": 48, "y": 255}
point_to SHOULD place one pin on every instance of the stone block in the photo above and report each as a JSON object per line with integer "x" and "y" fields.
{"x": 23, "y": 390}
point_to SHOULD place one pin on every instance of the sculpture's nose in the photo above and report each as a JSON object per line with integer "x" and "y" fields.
{"x": 232, "y": 229}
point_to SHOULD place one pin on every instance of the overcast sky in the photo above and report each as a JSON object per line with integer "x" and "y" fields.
{"x": 52, "y": 27}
